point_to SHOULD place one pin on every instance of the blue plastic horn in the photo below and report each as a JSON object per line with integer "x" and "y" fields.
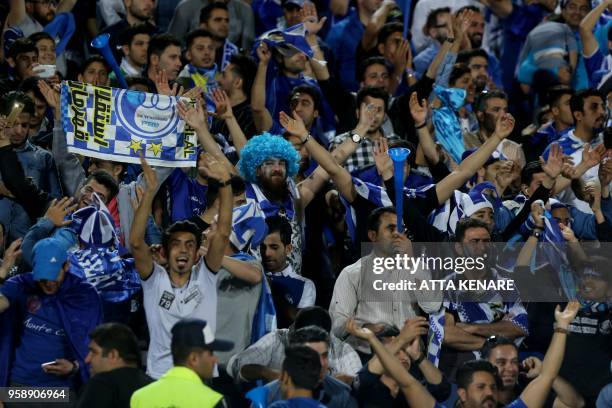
{"x": 101, "y": 44}
{"x": 259, "y": 397}
{"x": 399, "y": 156}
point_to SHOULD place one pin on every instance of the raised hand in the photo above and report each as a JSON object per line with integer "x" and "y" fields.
{"x": 567, "y": 233}
{"x": 383, "y": 161}
{"x": 223, "y": 106}
{"x": 157, "y": 252}
{"x": 193, "y": 93}
{"x": 591, "y": 156}
{"x": 11, "y": 254}
{"x": 59, "y": 209}
{"x": 194, "y": 116}
{"x": 263, "y": 53}
{"x": 163, "y": 87}
{"x": 367, "y": 116}
{"x": 215, "y": 170}
{"x": 418, "y": 109}
{"x": 505, "y": 174}
{"x": 461, "y": 24}
{"x": 359, "y": 332}
{"x": 401, "y": 56}
{"x": 312, "y": 23}
{"x": 537, "y": 213}
{"x": 413, "y": 329}
{"x": 414, "y": 349}
{"x": 294, "y": 125}
{"x": 533, "y": 365}
{"x": 402, "y": 244}
{"x": 504, "y": 125}
{"x": 150, "y": 177}
{"x": 553, "y": 166}
{"x": 605, "y": 171}
{"x": 51, "y": 95}
{"x": 565, "y": 317}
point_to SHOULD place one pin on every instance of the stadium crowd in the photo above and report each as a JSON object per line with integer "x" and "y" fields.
{"x": 245, "y": 280}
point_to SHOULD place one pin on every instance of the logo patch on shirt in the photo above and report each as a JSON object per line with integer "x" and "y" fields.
{"x": 166, "y": 300}
{"x": 33, "y": 304}
{"x": 193, "y": 295}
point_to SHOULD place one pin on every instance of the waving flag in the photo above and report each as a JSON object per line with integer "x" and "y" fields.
{"x": 289, "y": 40}
{"x": 248, "y": 226}
{"x": 122, "y": 125}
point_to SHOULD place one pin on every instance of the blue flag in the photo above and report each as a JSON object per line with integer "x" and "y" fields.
{"x": 122, "y": 125}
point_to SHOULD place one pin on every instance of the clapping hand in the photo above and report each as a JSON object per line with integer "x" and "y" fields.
{"x": 554, "y": 164}
{"x": 312, "y": 23}
{"x": 163, "y": 87}
{"x": 359, "y": 332}
{"x": 194, "y": 116}
{"x": 504, "y": 125}
{"x": 223, "y": 106}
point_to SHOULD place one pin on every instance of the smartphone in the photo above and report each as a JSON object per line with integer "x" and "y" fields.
{"x": 15, "y": 112}
{"x": 44, "y": 71}
{"x": 48, "y": 363}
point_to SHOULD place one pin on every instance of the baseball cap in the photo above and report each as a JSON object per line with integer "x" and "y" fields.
{"x": 50, "y": 254}
{"x": 299, "y": 3}
{"x": 197, "y": 333}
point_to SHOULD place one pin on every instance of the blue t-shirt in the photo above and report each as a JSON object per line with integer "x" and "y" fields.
{"x": 43, "y": 338}
{"x": 187, "y": 196}
{"x": 298, "y": 402}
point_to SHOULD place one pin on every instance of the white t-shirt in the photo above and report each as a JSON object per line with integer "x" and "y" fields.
{"x": 165, "y": 305}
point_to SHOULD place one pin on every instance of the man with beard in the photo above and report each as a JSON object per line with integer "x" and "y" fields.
{"x": 137, "y": 12}
{"x": 163, "y": 54}
{"x": 589, "y": 113}
{"x": 438, "y": 27}
{"x": 489, "y": 107}
{"x": 135, "y": 41}
{"x": 385, "y": 307}
{"x": 30, "y": 16}
{"x": 478, "y": 380}
{"x": 475, "y": 34}
{"x": 504, "y": 355}
{"x": 467, "y": 322}
{"x": 376, "y": 101}
{"x": 236, "y": 80}
{"x": 215, "y": 19}
{"x": 478, "y": 63}
{"x": 558, "y": 99}
{"x": 183, "y": 288}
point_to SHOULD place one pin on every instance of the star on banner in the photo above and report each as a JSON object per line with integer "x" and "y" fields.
{"x": 136, "y": 145}
{"x": 156, "y": 148}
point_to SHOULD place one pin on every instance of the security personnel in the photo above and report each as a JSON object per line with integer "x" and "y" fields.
{"x": 193, "y": 343}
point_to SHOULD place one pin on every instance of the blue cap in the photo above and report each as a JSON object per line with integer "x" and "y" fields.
{"x": 50, "y": 254}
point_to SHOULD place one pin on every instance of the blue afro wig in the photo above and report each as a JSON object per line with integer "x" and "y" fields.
{"x": 263, "y": 147}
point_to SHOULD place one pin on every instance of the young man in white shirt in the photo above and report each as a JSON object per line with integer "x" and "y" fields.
{"x": 183, "y": 288}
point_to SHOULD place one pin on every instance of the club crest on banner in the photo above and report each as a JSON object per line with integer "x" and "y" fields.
{"x": 122, "y": 125}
